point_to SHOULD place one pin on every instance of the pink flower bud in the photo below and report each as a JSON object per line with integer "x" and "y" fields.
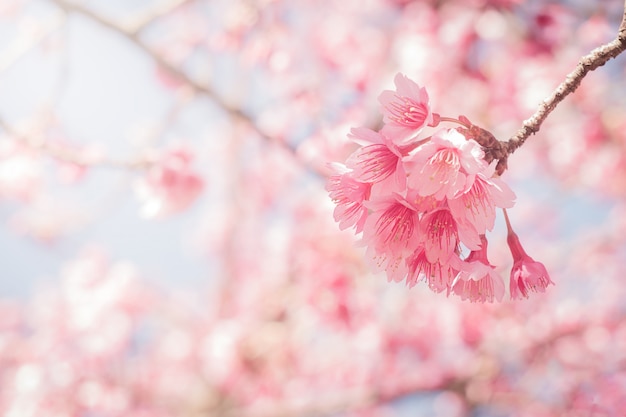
{"x": 526, "y": 274}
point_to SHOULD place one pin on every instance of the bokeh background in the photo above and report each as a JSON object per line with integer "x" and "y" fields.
{"x": 169, "y": 249}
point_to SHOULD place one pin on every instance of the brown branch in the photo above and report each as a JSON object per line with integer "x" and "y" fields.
{"x": 622, "y": 26}
{"x": 596, "y": 58}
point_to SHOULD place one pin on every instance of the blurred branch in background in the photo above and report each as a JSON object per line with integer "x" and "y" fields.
{"x": 29, "y": 39}
{"x": 141, "y": 22}
{"x": 132, "y": 31}
{"x": 63, "y": 153}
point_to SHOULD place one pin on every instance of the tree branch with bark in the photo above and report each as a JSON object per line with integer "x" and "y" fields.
{"x": 590, "y": 62}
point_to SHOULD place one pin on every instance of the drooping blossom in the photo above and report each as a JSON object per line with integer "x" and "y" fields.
{"x": 526, "y": 273}
{"x": 441, "y": 166}
{"x": 478, "y": 281}
{"x": 405, "y": 111}
{"x": 442, "y": 235}
{"x": 391, "y": 229}
{"x": 348, "y": 195}
{"x": 170, "y": 184}
{"x": 438, "y": 275}
{"x": 378, "y": 159}
{"x": 478, "y": 204}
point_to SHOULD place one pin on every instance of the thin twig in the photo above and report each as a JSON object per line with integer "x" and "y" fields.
{"x": 596, "y": 58}
{"x": 175, "y": 72}
{"x": 164, "y": 9}
{"x": 64, "y": 154}
{"x": 25, "y": 43}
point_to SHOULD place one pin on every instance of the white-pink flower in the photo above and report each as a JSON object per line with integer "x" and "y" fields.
{"x": 348, "y": 195}
{"x": 477, "y": 205}
{"x": 439, "y": 276}
{"x": 377, "y": 160}
{"x": 441, "y": 235}
{"x": 441, "y": 166}
{"x": 405, "y": 111}
{"x": 392, "y": 226}
{"x": 477, "y": 280}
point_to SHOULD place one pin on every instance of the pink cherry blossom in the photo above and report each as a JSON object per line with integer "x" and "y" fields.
{"x": 526, "y": 274}
{"x": 405, "y": 111}
{"x": 442, "y": 235}
{"x": 441, "y": 166}
{"x": 439, "y": 276}
{"x": 377, "y": 160}
{"x": 478, "y": 281}
{"x": 478, "y": 204}
{"x": 348, "y": 195}
{"x": 392, "y": 227}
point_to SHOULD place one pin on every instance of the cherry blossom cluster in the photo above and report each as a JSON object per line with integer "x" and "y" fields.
{"x": 420, "y": 201}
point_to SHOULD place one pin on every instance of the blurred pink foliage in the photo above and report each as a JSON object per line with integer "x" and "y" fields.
{"x": 245, "y": 106}
{"x": 170, "y": 184}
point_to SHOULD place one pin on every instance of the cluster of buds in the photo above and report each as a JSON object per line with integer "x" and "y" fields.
{"x": 419, "y": 202}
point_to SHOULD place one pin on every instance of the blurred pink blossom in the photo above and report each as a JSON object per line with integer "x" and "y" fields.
{"x": 170, "y": 184}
